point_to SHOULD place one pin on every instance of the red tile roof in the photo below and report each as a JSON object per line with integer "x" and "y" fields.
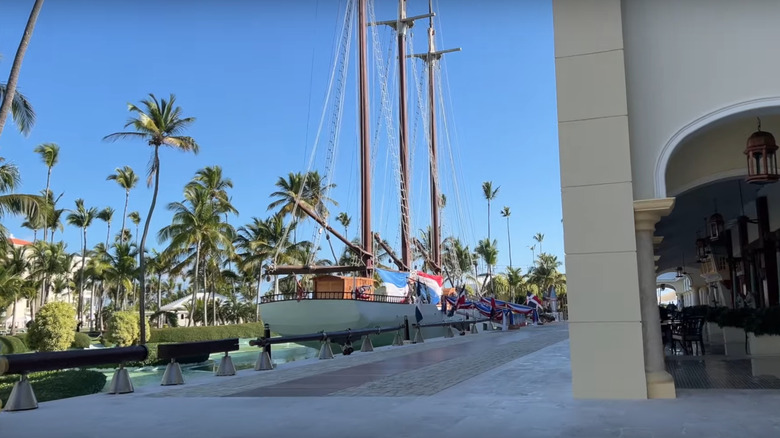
{"x": 19, "y": 242}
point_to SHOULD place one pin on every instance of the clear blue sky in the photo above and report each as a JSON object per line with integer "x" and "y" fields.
{"x": 254, "y": 74}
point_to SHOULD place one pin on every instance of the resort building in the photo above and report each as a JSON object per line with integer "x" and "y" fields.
{"x": 668, "y": 168}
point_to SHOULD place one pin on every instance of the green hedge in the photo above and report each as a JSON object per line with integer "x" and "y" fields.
{"x": 12, "y": 345}
{"x": 734, "y": 317}
{"x": 209, "y": 333}
{"x": 54, "y": 385}
{"x": 23, "y": 337}
{"x": 82, "y": 340}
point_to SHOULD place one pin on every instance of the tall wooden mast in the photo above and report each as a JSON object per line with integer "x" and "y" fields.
{"x": 432, "y": 58}
{"x": 365, "y": 142}
{"x": 401, "y": 25}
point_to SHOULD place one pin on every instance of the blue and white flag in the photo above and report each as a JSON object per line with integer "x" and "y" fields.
{"x": 396, "y": 283}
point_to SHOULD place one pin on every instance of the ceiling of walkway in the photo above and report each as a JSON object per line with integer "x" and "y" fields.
{"x": 690, "y": 209}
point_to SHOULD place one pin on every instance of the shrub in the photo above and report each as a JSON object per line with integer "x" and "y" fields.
{"x": 23, "y": 338}
{"x": 734, "y": 317}
{"x": 82, "y": 340}
{"x": 53, "y": 328}
{"x": 764, "y": 321}
{"x": 208, "y": 333}
{"x": 714, "y": 313}
{"x": 55, "y": 385}
{"x": 124, "y": 329}
{"x": 12, "y": 345}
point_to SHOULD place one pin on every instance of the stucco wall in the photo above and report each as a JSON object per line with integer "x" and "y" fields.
{"x": 687, "y": 59}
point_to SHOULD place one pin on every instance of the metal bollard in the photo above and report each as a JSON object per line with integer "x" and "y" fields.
{"x": 121, "y": 383}
{"x": 226, "y": 367}
{"x": 418, "y": 337}
{"x": 367, "y": 344}
{"x": 264, "y": 362}
{"x": 172, "y": 375}
{"x": 406, "y": 328}
{"x": 22, "y": 397}
{"x": 325, "y": 351}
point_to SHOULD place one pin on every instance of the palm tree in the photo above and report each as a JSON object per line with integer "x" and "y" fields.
{"x": 50, "y": 155}
{"x": 19, "y": 204}
{"x": 196, "y": 231}
{"x": 21, "y": 111}
{"x": 490, "y": 194}
{"x": 127, "y": 179}
{"x": 506, "y": 213}
{"x": 135, "y": 218}
{"x": 159, "y": 123}
{"x": 344, "y": 219}
{"x": 82, "y": 217}
{"x": 13, "y": 77}
{"x": 539, "y": 237}
{"x": 489, "y": 253}
{"x": 515, "y": 278}
{"x": 106, "y": 215}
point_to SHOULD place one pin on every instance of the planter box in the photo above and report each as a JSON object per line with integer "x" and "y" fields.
{"x": 764, "y": 354}
{"x": 713, "y": 333}
{"x": 734, "y": 341}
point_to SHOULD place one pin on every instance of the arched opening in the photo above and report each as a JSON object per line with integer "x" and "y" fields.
{"x": 722, "y": 226}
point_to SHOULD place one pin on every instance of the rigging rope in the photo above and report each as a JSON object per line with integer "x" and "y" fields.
{"x": 335, "y": 126}
{"x": 346, "y": 24}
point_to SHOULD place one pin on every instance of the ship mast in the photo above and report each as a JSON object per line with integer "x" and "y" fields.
{"x": 365, "y": 142}
{"x": 432, "y": 58}
{"x": 401, "y": 25}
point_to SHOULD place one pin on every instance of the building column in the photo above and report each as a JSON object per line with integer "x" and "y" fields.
{"x": 647, "y": 213}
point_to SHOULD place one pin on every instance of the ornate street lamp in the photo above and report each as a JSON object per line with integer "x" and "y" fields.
{"x": 679, "y": 272}
{"x": 761, "y": 159}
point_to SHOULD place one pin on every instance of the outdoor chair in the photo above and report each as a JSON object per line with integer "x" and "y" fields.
{"x": 689, "y": 332}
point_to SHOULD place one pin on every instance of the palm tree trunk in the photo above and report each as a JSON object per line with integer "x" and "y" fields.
{"x": 142, "y": 259}
{"x": 195, "y": 286}
{"x": 13, "y": 77}
{"x": 108, "y": 234}
{"x": 488, "y": 219}
{"x": 205, "y": 299}
{"x": 159, "y": 299}
{"x": 81, "y": 286}
{"x": 257, "y": 299}
{"x": 124, "y": 216}
{"x": 509, "y": 240}
{"x": 13, "y": 318}
{"x": 46, "y": 193}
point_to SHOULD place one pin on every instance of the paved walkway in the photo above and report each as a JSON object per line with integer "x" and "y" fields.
{"x": 515, "y": 383}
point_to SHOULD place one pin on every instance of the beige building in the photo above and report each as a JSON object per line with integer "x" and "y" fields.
{"x": 656, "y": 102}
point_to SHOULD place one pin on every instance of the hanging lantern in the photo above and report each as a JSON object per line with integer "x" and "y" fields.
{"x": 701, "y": 249}
{"x": 679, "y": 272}
{"x": 716, "y": 226}
{"x": 761, "y": 159}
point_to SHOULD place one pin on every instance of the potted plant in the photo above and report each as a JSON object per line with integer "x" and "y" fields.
{"x": 732, "y": 321}
{"x": 763, "y": 329}
{"x": 712, "y": 331}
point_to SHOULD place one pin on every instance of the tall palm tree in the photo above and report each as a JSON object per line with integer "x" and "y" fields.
{"x": 19, "y": 204}
{"x": 344, "y": 219}
{"x": 505, "y": 212}
{"x": 50, "y": 155}
{"x": 196, "y": 231}
{"x": 82, "y": 218}
{"x": 489, "y": 252}
{"x": 160, "y": 124}
{"x": 13, "y": 77}
{"x": 135, "y": 218}
{"x": 490, "y": 194}
{"x": 106, "y": 215}
{"x": 539, "y": 237}
{"x": 127, "y": 179}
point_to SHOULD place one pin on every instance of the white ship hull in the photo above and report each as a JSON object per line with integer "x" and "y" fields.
{"x": 291, "y": 317}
